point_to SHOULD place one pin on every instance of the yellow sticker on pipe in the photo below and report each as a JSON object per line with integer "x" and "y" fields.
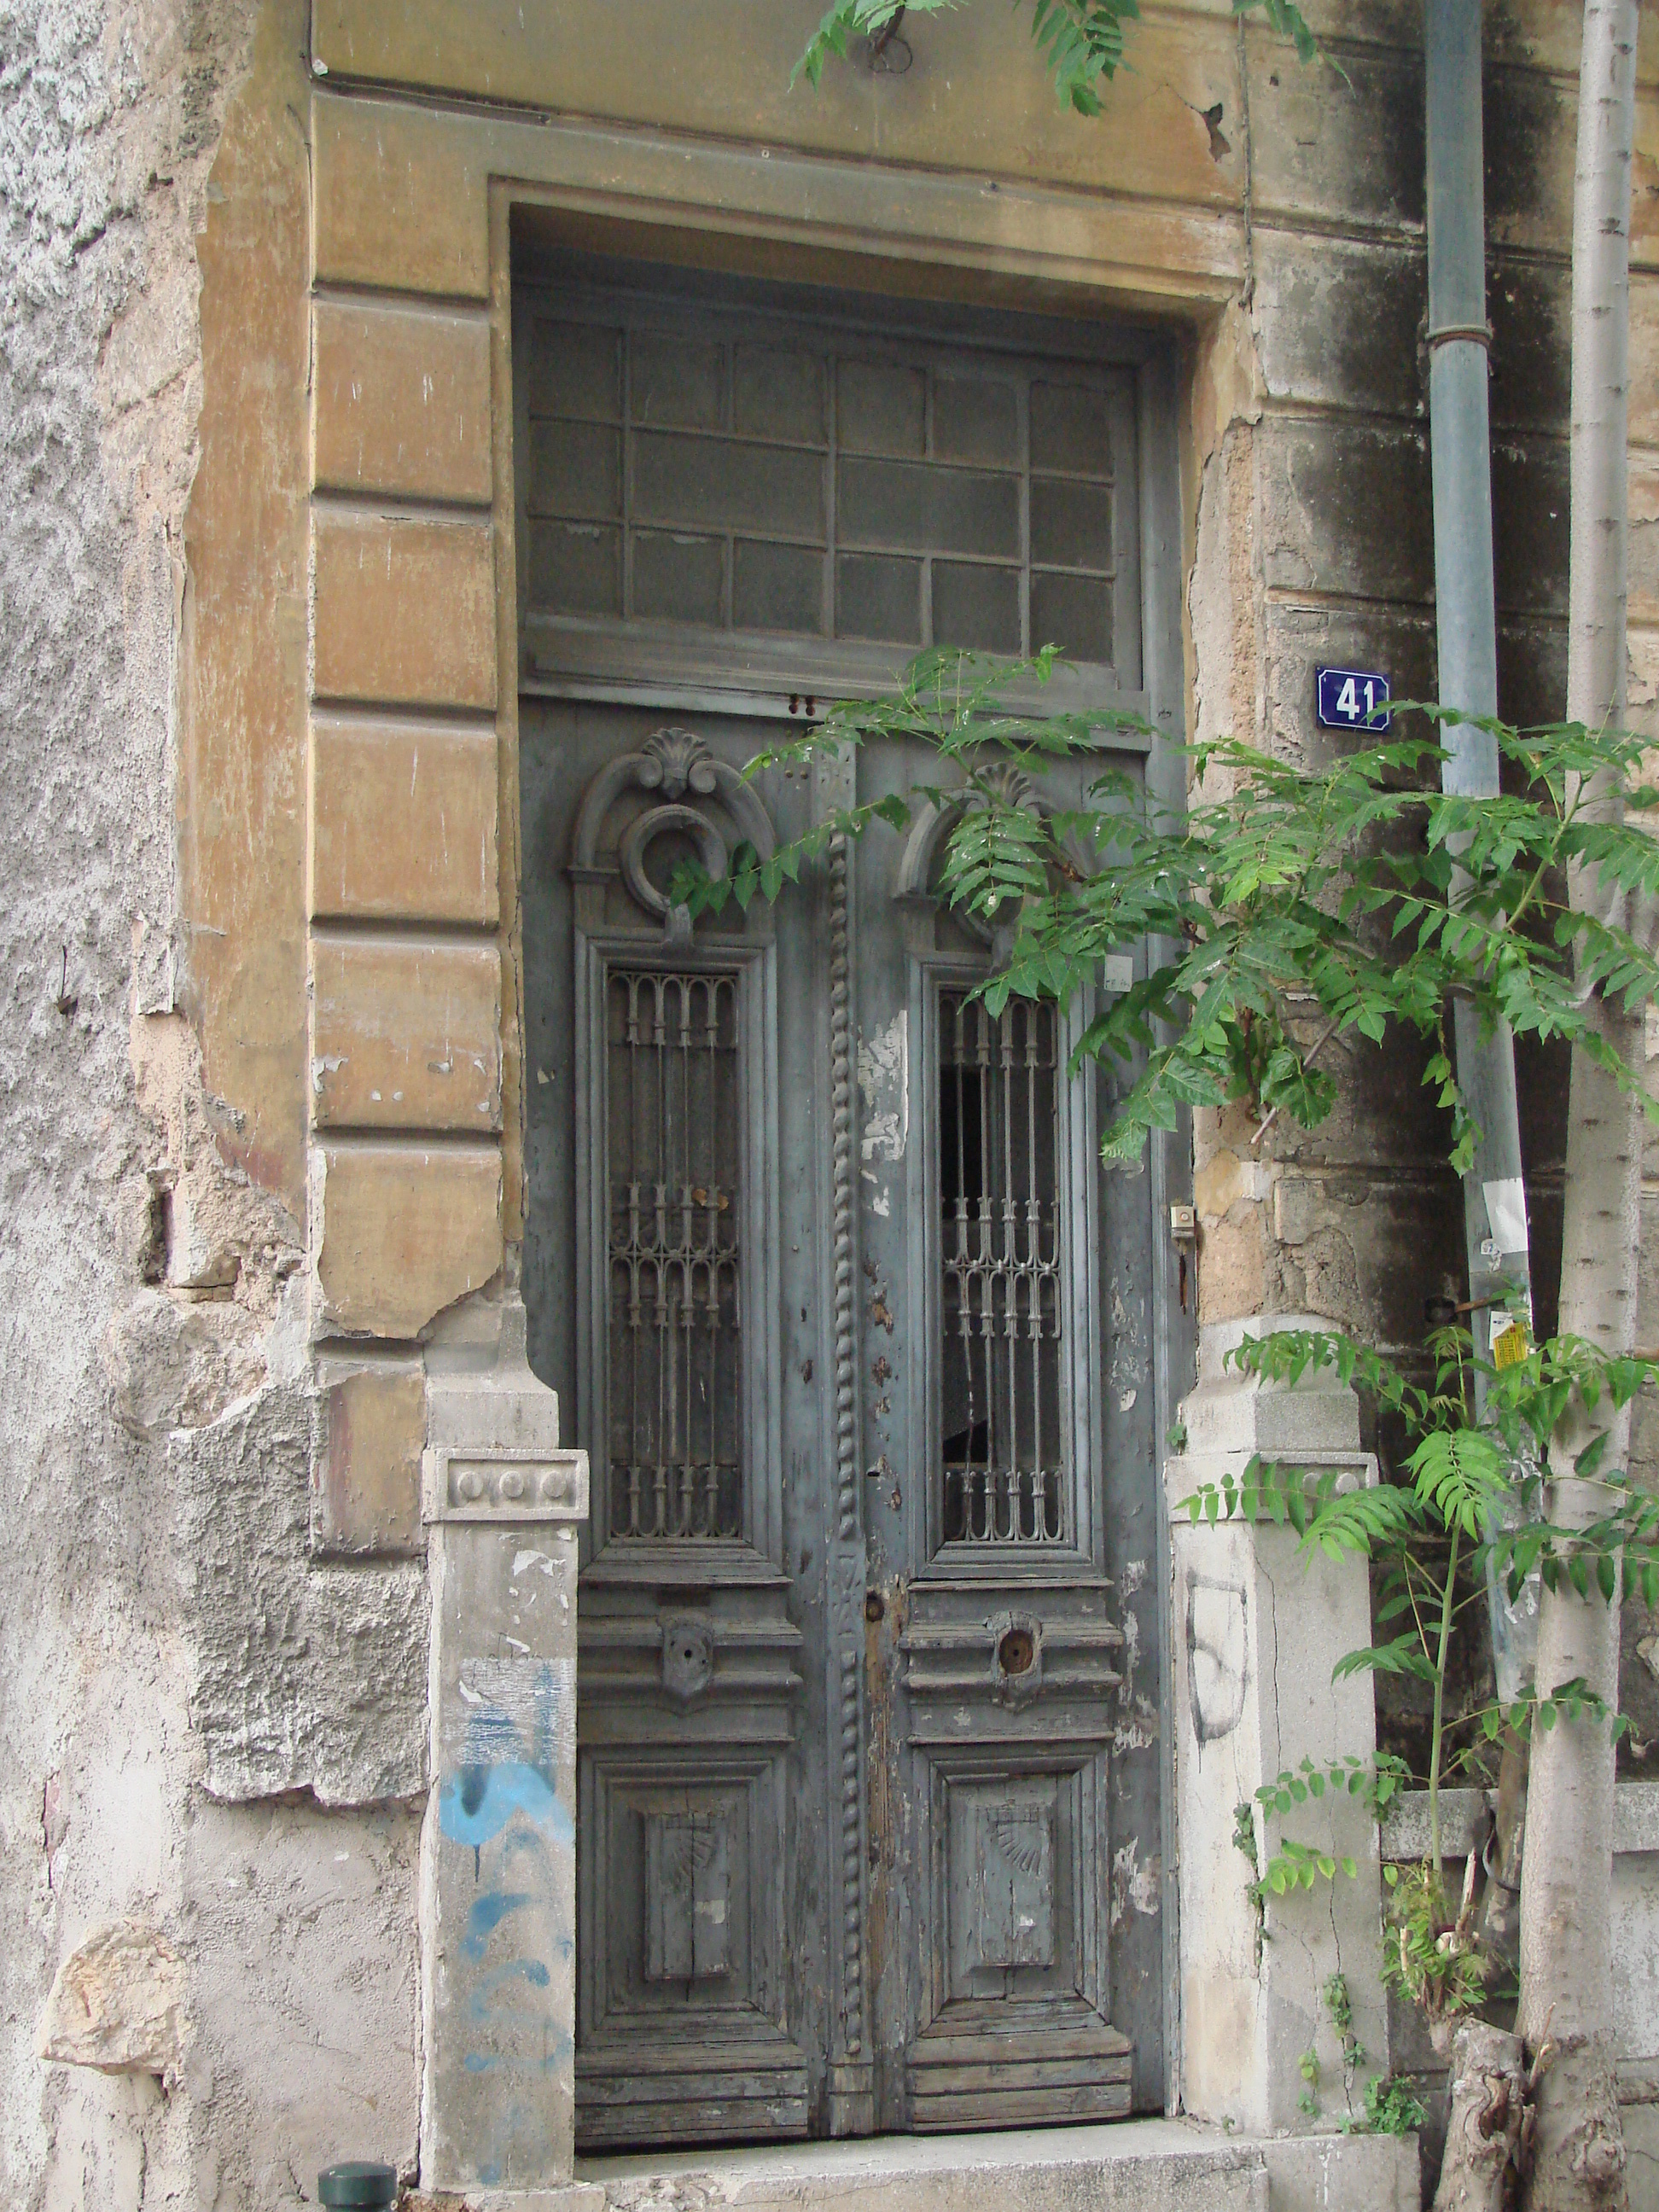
{"x": 1508, "y": 1341}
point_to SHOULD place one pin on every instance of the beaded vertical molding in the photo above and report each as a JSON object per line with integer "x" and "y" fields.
{"x": 833, "y": 789}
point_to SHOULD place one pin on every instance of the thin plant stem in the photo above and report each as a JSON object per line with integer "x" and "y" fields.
{"x": 1447, "y": 1610}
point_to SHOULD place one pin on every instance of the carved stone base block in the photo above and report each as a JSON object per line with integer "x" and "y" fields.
{"x": 498, "y": 1904}
{"x": 1257, "y": 1630}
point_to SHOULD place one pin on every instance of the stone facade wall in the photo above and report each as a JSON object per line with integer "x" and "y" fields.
{"x": 161, "y": 1773}
{"x": 263, "y": 1057}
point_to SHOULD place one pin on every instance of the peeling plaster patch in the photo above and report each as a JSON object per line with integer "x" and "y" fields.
{"x": 1125, "y": 1400}
{"x": 1134, "y": 1575}
{"x": 302, "y": 1676}
{"x": 885, "y": 1080}
{"x": 117, "y": 2004}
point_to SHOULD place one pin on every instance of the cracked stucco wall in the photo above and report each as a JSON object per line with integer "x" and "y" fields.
{"x": 154, "y": 1440}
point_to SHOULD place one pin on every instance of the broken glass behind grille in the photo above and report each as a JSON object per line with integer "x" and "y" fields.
{"x": 1004, "y": 1474}
{"x": 819, "y": 488}
{"x": 673, "y": 1151}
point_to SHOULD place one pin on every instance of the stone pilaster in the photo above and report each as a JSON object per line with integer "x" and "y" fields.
{"x": 1257, "y": 1630}
{"x": 498, "y": 1870}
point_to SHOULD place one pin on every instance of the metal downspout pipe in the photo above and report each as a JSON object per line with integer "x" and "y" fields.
{"x": 1494, "y": 1211}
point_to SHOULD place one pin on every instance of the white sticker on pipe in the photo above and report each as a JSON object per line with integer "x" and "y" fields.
{"x": 1506, "y": 1210}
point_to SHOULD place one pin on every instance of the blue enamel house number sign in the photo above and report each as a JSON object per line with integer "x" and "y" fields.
{"x": 1349, "y": 696}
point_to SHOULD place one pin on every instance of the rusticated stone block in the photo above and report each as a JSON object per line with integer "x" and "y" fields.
{"x": 997, "y": 120}
{"x": 366, "y": 1463}
{"x": 402, "y": 199}
{"x": 400, "y": 401}
{"x": 1644, "y": 537}
{"x": 403, "y": 822}
{"x": 406, "y": 1036}
{"x": 400, "y": 1231}
{"x": 404, "y": 610}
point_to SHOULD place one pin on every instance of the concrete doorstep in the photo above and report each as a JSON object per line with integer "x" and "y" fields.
{"x": 1135, "y": 2166}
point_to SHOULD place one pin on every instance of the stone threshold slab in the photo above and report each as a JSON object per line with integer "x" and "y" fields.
{"x": 1147, "y": 2165}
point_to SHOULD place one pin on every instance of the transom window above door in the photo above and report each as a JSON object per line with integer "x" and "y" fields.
{"x": 725, "y": 476}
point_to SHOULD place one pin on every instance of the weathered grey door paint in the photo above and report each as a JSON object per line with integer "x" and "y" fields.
{"x": 863, "y": 1345}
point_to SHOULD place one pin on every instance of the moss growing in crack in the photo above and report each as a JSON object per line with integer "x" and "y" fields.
{"x": 1244, "y": 1840}
{"x": 1339, "y": 2005}
{"x": 1309, "y": 2067}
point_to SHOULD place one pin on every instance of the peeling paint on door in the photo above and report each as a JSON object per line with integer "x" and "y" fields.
{"x": 885, "y": 1081}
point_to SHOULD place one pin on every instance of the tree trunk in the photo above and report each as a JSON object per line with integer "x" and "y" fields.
{"x": 1488, "y": 2108}
{"x": 1577, "y": 2160}
{"x": 1566, "y": 1878}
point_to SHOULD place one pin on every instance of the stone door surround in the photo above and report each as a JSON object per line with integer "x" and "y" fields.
{"x": 417, "y": 1175}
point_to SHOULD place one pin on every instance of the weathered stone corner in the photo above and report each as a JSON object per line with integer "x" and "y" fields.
{"x": 498, "y": 1903}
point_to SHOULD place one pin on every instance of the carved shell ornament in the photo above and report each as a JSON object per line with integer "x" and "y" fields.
{"x": 930, "y": 832}
{"x": 677, "y": 768}
{"x": 675, "y": 761}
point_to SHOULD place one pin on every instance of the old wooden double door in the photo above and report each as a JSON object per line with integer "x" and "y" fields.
{"x": 821, "y": 1257}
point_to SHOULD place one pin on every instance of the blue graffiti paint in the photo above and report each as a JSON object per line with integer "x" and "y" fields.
{"x": 479, "y": 2061}
{"x": 549, "y": 1700}
{"x": 478, "y": 1802}
{"x": 486, "y": 1916}
{"x": 531, "y": 1970}
{"x": 494, "y": 1733}
{"x": 528, "y": 1842}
